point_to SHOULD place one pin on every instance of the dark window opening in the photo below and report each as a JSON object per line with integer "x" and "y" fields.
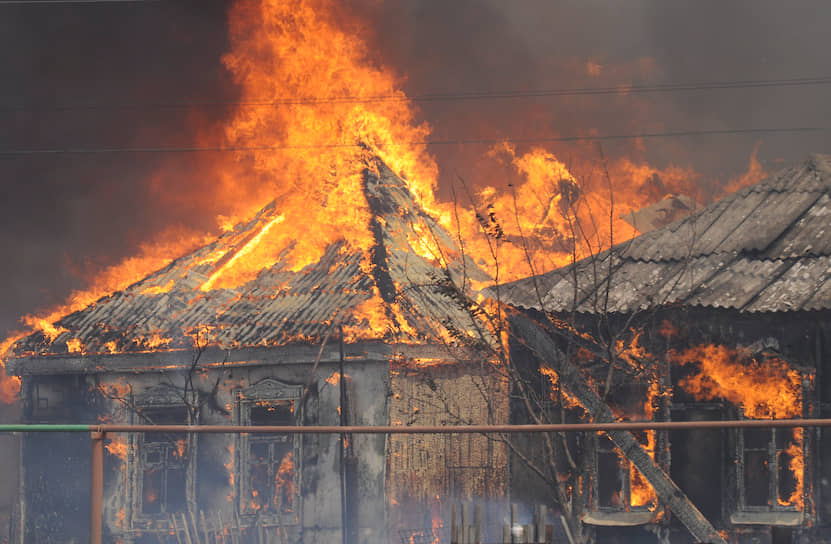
{"x": 49, "y": 400}
{"x": 609, "y": 480}
{"x": 756, "y": 478}
{"x": 770, "y": 468}
{"x": 619, "y": 485}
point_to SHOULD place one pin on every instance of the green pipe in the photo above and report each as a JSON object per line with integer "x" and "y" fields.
{"x": 45, "y": 428}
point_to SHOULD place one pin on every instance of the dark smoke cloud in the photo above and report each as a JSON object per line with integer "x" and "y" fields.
{"x": 536, "y": 44}
{"x": 63, "y": 212}
{"x": 66, "y": 215}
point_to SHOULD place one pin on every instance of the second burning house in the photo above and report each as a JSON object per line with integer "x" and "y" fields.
{"x": 721, "y": 315}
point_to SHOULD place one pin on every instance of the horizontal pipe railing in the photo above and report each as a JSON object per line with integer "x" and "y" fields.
{"x": 98, "y": 433}
{"x": 418, "y": 429}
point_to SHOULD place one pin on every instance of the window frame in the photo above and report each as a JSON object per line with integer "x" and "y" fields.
{"x": 626, "y": 470}
{"x": 773, "y": 469}
{"x": 264, "y": 392}
{"x": 154, "y": 399}
{"x": 165, "y": 448}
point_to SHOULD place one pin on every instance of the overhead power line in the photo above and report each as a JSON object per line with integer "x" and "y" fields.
{"x": 440, "y": 97}
{"x": 45, "y": 2}
{"x": 472, "y": 141}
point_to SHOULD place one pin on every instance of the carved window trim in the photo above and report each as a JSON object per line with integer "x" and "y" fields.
{"x": 153, "y": 399}
{"x": 266, "y": 391}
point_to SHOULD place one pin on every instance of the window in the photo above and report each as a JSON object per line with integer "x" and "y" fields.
{"x": 268, "y": 464}
{"x": 160, "y": 467}
{"x": 49, "y": 398}
{"x": 618, "y": 485}
{"x": 163, "y": 463}
{"x": 271, "y": 476}
{"x": 611, "y": 475}
{"x": 769, "y": 469}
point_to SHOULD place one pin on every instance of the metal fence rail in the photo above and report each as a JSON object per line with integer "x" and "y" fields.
{"x": 98, "y": 433}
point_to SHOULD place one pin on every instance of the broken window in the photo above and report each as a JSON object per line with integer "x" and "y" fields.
{"x": 770, "y": 471}
{"x": 617, "y": 484}
{"x": 269, "y": 477}
{"x": 612, "y": 473}
{"x": 163, "y": 463}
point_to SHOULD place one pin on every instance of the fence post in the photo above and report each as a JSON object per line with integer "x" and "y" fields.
{"x": 96, "y": 487}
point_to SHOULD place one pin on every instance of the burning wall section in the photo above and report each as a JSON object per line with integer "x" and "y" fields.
{"x": 702, "y": 364}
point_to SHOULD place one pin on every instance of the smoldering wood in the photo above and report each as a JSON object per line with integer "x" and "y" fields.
{"x": 534, "y": 336}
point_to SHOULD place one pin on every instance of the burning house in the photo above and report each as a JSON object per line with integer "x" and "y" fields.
{"x": 233, "y": 333}
{"x": 720, "y": 315}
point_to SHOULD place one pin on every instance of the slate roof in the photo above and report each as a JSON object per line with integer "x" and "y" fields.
{"x": 764, "y": 248}
{"x": 280, "y": 306}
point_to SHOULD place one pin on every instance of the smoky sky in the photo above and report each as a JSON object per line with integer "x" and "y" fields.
{"x": 65, "y": 216}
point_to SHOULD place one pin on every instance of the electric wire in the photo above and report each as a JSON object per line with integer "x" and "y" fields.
{"x": 475, "y": 141}
{"x": 46, "y": 2}
{"x": 440, "y": 97}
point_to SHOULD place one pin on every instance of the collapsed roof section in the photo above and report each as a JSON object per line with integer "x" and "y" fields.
{"x": 765, "y": 248}
{"x": 386, "y": 293}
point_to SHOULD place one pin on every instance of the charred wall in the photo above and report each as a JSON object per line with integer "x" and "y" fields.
{"x": 55, "y": 469}
{"x": 704, "y": 462}
{"x": 428, "y": 474}
{"x": 216, "y": 494}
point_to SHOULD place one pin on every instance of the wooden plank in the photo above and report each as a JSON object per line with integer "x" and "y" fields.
{"x": 175, "y": 529}
{"x": 188, "y": 539}
{"x": 535, "y": 337}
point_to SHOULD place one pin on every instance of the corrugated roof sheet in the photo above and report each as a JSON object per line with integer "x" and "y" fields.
{"x": 168, "y": 309}
{"x": 765, "y": 248}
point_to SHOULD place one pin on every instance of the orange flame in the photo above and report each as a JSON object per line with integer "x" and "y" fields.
{"x": 181, "y": 448}
{"x": 763, "y": 389}
{"x": 641, "y": 492}
{"x": 239, "y": 269}
{"x": 436, "y": 521}
{"x": 569, "y": 400}
{"x": 556, "y": 217}
{"x": 284, "y": 480}
{"x": 117, "y": 447}
{"x": 74, "y": 345}
{"x": 9, "y": 385}
{"x": 229, "y": 466}
{"x": 298, "y": 48}
{"x": 309, "y": 156}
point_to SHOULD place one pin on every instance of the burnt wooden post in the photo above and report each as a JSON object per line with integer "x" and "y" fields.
{"x": 534, "y": 337}
{"x": 96, "y": 487}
